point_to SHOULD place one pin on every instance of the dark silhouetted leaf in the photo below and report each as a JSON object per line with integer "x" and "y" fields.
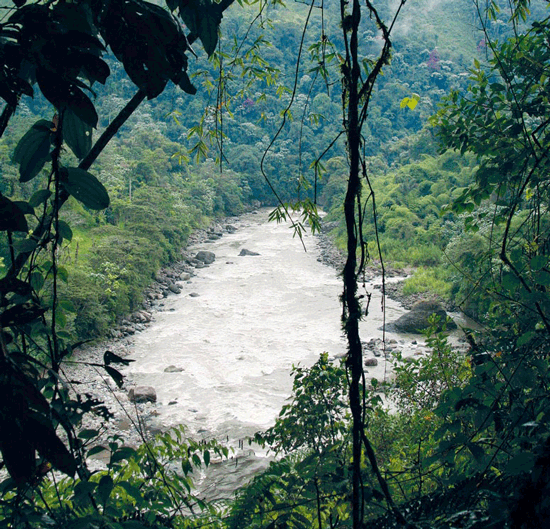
{"x": 79, "y": 103}
{"x": 12, "y": 284}
{"x": 63, "y": 93}
{"x": 64, "y": 230}
{"x": 77, "y": 134}
{"x": 104, "y": 488}
{"x": 95, "y": 69}
{"x": 115, "y": 375}
{"x": 17, "y": 451}
{"x": 202, "y": 19}
{"x": 88, "y": 434}
{"x": 33, "y": 150}
{"x": 21, "y": 314}
{"x": 39, "y": 197}
{"x": 86, "y": 188}
{"x": 111, "y": 358}
{"x": 185, "y": 84}
{"x": 96, "y": 450}
{"x": 24, "y": 206}
{"x": 125, "y": 452}
{"x": 49, "y": 446}
{"x": 12, "y": 217}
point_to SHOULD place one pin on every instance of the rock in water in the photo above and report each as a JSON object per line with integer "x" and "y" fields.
{"x": 416, "y": 320}
{"x": 173, "y": 369}
{"x": 142, "y": 394}
{"x": 206, "y": 257}
{"x": 174, "y": 288}
{"x": 244, "y": 252}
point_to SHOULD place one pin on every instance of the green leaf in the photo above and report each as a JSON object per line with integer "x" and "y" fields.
{"x": 67, "y": 305}
{"x": 131, "y": 490}
{"x": 542, "y": 278}
{"x": 96, "y": 450}
{"x": 133, "y": 524}
{"x": 522, "y": 462}
{"x": 33, "y": 150}
{"x": 104, "y": 488}
{"x": 476, "y": 451}
{"x": 63, "y": 274}
{"x": 82, "y": 492}
{"x": 125, "y": 452}
{"x": 538, "y": 262}
{"x": 39, "y": 197}
{"x": 64, "y": 230}
{"x": 86, "y": 188}
{"x": 526, "y": 338}
{"x": 77, "y": 134}
{"x": 206, "y": 457}
{"x": 27, "y": 245}
{"x": 510, "y": 281}
{"x": 37, "y": 280}
{"x": 88, "y": 434}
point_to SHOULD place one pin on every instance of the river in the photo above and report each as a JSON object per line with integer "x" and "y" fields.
{"x": 239, "y": 325}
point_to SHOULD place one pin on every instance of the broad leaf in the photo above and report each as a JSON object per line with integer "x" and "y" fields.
{"x": 33, "y": 150}
{"x": 17, "y": 451}
{"x": 112, "y": 358}
{"x": 12, "y": 217}
{"x": 65, "y": 94}
{"x": 115, "y": 375}
{"x": 39, "y": 197}
{"x": 86, "y": 188}
{"x": 64, "y": 230}
{"x": 105, "y": 488}
{"x": 77, "y": 134}
{"x": 185, "y": 84}
{"x": 202, "y": 19}
{"x": 50, "y": 447}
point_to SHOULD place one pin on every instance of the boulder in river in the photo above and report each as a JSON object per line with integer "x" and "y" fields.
{"x": 206, "y": 257}
{"x": 244, "y": 252}
{"x": 416, "y": 320}
{"x": 174, "y": 288}
{"x": 142, "y": 394}
{"x": 173, "y": 369}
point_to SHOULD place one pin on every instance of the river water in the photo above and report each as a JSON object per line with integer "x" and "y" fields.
{"x": 237, "y": 328}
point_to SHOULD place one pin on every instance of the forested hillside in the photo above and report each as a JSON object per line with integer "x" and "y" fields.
{"x": 182, "y": 160}
{"x": 420, "y": 128}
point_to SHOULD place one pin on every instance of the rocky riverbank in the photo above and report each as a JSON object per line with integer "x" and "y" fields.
{"x": 135, "y": 416}
{"x": 134, "y": 410}
{"x": 335, "y": 258}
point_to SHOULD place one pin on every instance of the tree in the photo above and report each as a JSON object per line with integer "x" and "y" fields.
{"x": 59, "y": 49}
{"x": 502, "y": 119}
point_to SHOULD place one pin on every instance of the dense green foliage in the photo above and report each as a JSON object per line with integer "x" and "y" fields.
{"x": 467, "y": 443}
